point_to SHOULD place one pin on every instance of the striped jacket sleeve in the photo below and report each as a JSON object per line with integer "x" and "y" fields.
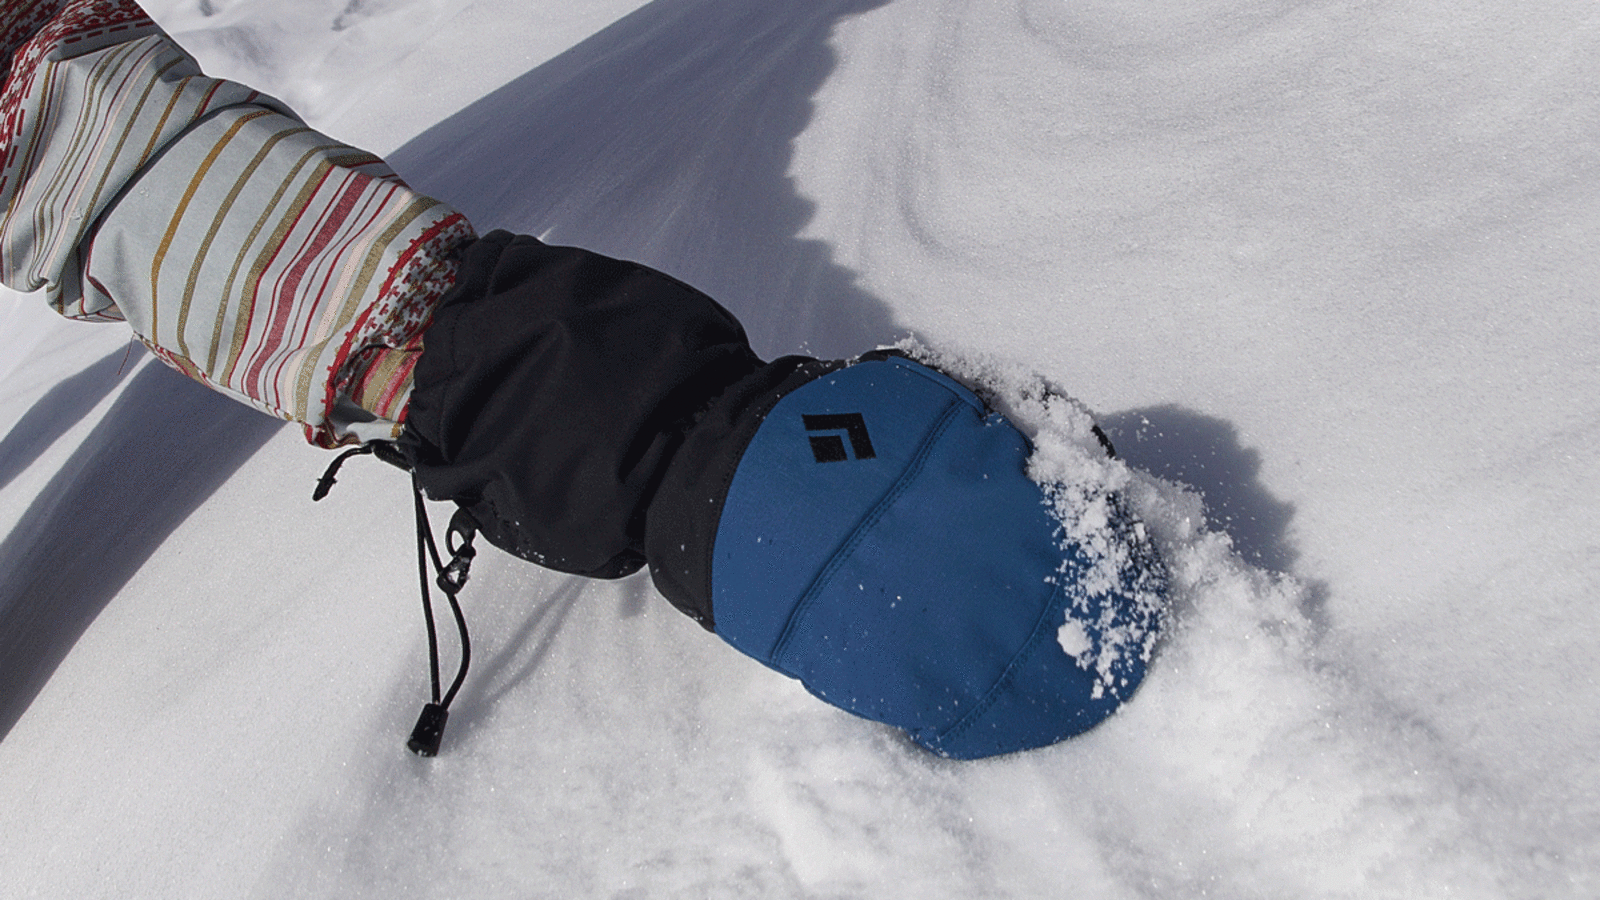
{"x": 248, "y": 251}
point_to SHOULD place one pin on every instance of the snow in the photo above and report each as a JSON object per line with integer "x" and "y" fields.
{"x": 1325, "y": 271}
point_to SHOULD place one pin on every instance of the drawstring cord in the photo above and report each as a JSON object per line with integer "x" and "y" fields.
{"x": 327, "y": 481}
{"x": 451, "y": 578}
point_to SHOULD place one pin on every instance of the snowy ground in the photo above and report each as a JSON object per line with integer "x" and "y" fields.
{"x": 1328, "y": 264}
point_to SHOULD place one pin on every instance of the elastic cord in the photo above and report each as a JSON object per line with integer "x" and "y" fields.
{"x": 425, "y": 737}
{"x": 425, "y": 549}
{"x": 450, "y": 578}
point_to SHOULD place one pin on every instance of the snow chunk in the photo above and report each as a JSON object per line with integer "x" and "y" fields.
{"x": 1074, "y": 640}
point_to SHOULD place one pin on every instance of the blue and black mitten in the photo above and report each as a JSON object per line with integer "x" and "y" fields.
{"x": 866, "y": 527}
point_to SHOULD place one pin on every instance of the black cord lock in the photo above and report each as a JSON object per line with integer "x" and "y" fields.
{"x": 458, "y": 540}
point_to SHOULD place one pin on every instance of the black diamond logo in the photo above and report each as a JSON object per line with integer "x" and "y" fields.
{"x": 831, "y": 447}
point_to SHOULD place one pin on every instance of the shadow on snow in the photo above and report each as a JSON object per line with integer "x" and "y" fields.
{"x": 163, "y": 447}
{"x": 666, "y": 138}
{"x": 1204, "y": 452}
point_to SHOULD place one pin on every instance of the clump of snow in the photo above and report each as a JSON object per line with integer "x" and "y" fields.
{"x": 1074, "y": 639}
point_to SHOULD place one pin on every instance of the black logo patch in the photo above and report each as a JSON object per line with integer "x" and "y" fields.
{"x": 830, "y": 447}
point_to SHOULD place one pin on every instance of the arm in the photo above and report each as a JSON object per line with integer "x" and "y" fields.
{"x": 588, "y": 414}
{"x": 268, "y": 261}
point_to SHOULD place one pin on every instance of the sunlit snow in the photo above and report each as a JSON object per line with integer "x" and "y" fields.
{"x": 1325, "y": 272}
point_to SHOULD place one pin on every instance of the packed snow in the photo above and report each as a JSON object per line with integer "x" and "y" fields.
{"x": 1324, "y": 271}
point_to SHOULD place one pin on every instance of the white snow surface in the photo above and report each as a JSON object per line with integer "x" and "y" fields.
{"x": 1325, "y": 270}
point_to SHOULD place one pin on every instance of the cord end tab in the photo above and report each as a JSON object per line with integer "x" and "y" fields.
{"x": 429, "y": 732}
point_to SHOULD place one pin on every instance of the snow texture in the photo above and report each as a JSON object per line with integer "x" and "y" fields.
{"x": 1325, "y": 271}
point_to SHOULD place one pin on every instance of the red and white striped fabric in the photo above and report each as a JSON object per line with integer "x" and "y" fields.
{"x": 248, "y": 251}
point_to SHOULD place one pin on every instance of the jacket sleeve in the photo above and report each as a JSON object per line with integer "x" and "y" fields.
{"x": 283, "y": 268}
